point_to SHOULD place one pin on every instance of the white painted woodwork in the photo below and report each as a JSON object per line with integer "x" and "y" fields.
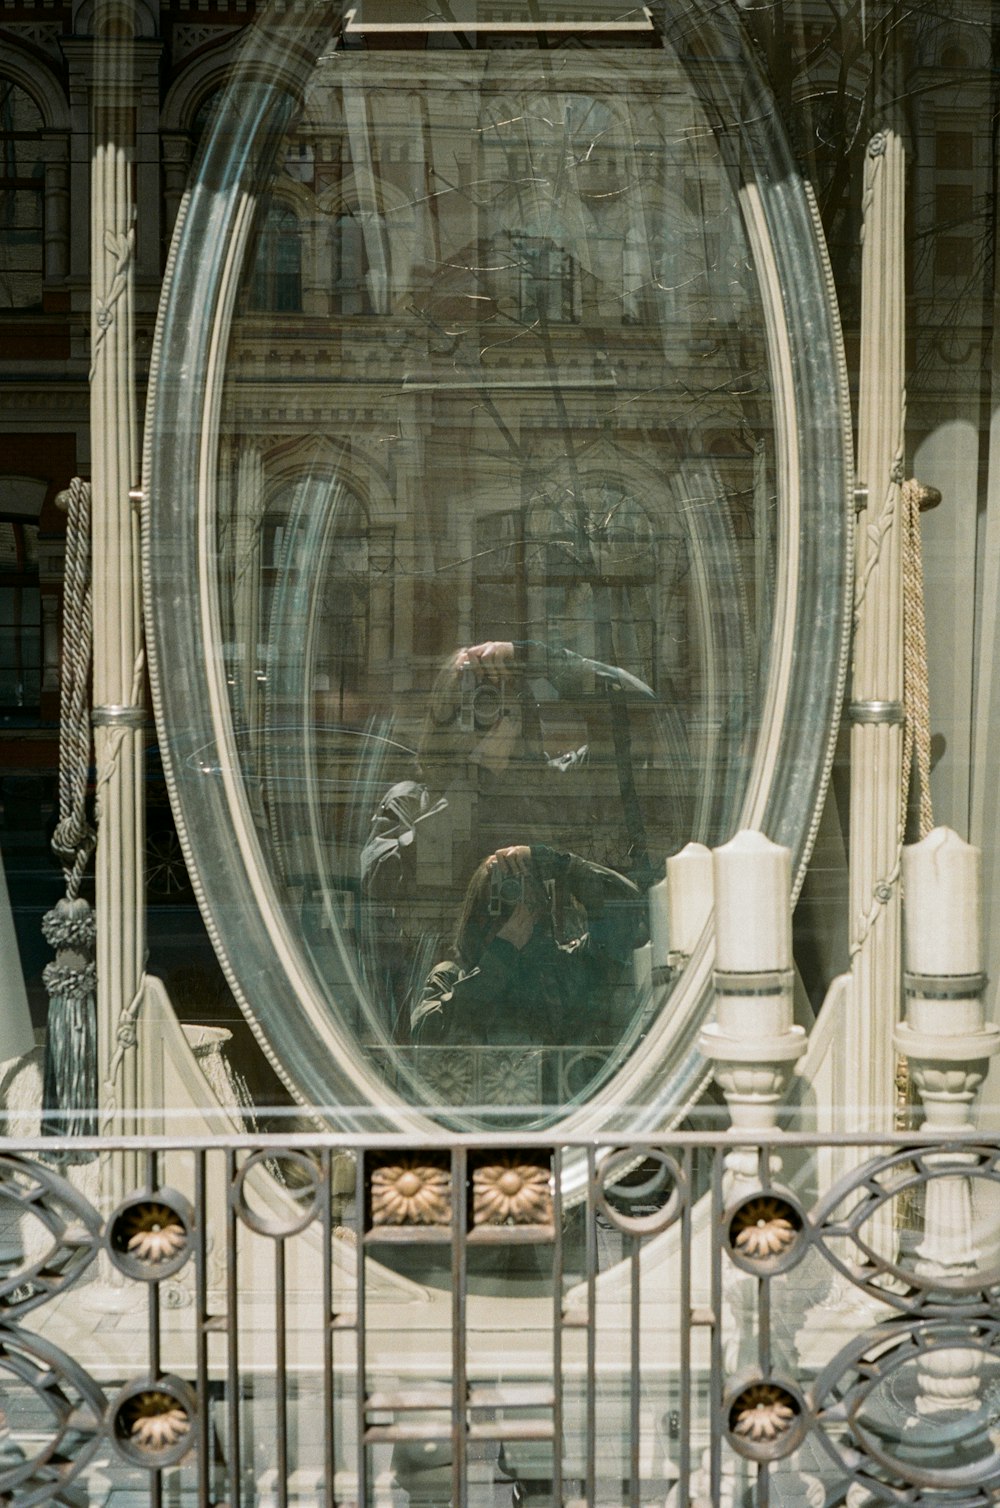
{"x": 876, "y": 747}
{"x": 117, "y": 680}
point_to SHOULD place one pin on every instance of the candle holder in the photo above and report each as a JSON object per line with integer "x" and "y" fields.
{"x": 753, "y": 1042}
{"x": 948, "y": 1044}
{"x": 753, "y": 1045}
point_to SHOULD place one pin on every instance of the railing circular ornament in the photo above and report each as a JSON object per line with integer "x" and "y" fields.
{"x": 149, "y": 1235}
{"x": 663, "y": 1183}
{"x": 766, "y": 1232}
{"x": 766, "y": 1417}
{"x": 153, "y": 1423}
{"x": 308, "y": 1191}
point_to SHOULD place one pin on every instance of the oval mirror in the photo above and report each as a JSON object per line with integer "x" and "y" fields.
{"x": 496, "y": 483}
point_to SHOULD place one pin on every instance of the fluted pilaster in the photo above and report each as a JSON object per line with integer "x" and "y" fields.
{"x": 118, "y": 664}
{"x": 876, "y": 702}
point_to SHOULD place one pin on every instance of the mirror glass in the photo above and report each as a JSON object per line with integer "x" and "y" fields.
{"x": 495, "y": 509}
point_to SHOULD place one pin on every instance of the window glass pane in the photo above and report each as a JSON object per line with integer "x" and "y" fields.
{"x": 21, "y": 199}
{"x": 20, "y": 646}
{"x": 496, "y": 600}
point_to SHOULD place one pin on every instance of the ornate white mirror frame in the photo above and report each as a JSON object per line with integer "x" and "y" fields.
{"x": 253, "y": 927}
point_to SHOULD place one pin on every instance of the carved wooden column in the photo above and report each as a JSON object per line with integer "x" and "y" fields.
{"x": 119, "y": 711}
{"x": 876, "y": 703}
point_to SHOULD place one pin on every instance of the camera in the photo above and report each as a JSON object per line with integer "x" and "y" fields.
{"x": 483, "y": 703}
{"x": 506, "y": 891}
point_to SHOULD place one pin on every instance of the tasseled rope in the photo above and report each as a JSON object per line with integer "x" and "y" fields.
{"x": 916, "y": 694}
{"x": 916, "y": 723}
{"x": 70, "y": 1090}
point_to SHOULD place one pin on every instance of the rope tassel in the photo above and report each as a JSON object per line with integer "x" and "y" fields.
{"x": 70, "y": 1087}
{"x": 69, "y": 1096}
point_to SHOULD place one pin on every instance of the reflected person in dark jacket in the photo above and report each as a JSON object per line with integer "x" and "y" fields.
{"x": 483, "y": 773}
{"x": 511, "y": 981}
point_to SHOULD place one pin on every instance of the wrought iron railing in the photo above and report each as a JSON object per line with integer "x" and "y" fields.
{"x": 678, "y": 1320}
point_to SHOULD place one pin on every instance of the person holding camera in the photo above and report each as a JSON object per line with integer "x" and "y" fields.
{"x": 485, "y": 769}
{"x": 484, "y": 714}
{"x": 513, "y": 981}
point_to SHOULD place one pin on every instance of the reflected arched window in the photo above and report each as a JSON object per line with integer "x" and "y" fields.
{"x": 547, "y": 282}
{"x": 586, "y": 568}
{"x": 341, "y": 613}
{"x": 597, "y": 555}
{"x": 354, "y": 274}
{"x": 20, "y": 616}
{"x": 22, "y": 174}
{"x": 276, "y": 285}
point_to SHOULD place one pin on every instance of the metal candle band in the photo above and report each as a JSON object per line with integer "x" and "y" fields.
{"x": 945, "y": 986}
{"x": 876, "y": 712}
{"x": 118, "y": 716}
{"x": 773, "y": 982}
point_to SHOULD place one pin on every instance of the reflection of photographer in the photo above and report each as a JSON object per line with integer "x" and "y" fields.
{"x": 487, "y": 767}
{"x": 485, "y": 713}
{"x": 513, "y": 980}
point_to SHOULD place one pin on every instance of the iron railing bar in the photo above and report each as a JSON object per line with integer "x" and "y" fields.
{"x": 764, "y": 1357}
{"x": 153, "y": 1312}
{"x": 459, "y": 1380}
{"x": 361, "y": 1322}
{"x": 496, "y": 1141}
{"x": 232, "y": 1337}
{"x": 716, "y": 1422}
{"x": 201, "y": 1334}
{"x": 557, "y": 1335}
{"x": 156, "y": 1477}
{"x": 590, "y": 1248}
{"x": 326, "y": 1212}
{"x": 764, "y": 1325}
{"x": 153, "y": 1307}
{"x": 684, "y": 1328}
{"x": 635, "y": 1295}
{"x": 281, "y": 1370}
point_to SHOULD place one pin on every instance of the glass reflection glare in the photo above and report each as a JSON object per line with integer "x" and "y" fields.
{"x": 497, "y": 569}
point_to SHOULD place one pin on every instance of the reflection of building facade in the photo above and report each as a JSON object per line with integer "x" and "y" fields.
{"x": 474, "y": 393}
{"x": 345, "y": 250}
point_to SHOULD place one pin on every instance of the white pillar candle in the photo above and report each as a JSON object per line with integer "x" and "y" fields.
{"x": 753, "y": 918}
{"x": 941, "y": 905}
{"x": 659, "y": 924}
{"x": 690, "y": 894}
